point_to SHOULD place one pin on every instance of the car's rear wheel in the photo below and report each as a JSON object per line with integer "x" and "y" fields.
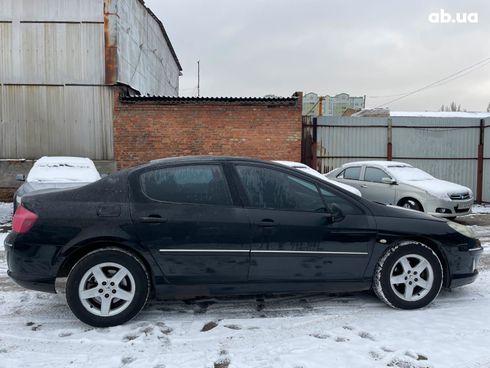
{"x": 408, "y": 276}
{"x": 411, "y": 204}
{"x": 107, "y": 287}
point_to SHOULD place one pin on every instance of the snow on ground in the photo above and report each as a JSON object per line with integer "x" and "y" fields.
{"x": 5, "y": 213}
{"x": 347, "y": 330}
{"x": 477, "y": 208}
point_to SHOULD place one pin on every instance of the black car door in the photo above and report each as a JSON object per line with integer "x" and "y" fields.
{"x": 186, "y": 216}
{"x": 302, "y": 231}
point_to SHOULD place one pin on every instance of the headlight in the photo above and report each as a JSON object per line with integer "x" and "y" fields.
{"x": 465, "y": 230}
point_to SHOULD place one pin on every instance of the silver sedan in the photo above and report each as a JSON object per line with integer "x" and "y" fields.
{"x": 401, "y": 184}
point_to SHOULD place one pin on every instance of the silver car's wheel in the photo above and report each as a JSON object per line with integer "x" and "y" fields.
{"x": 408, "y": 276}
{"x": 106, "y": 289}
{"x": 412, "y": 277}
{"x": 411, "y": 204}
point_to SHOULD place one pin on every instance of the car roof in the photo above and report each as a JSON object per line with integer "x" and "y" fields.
{"x": 293, "y": 164}
{"x": 384, "y": 164}
{"x": 204, "y": 158}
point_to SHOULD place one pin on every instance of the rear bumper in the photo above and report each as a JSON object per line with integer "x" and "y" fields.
{"x": 30, "y": 266}
{"x": 44, "y": 285}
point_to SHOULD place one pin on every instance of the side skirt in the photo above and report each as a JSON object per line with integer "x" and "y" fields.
{"x": 166, "y": 291}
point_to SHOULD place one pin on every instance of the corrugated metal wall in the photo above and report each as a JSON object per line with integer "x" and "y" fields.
{"x": 349, "y": 139}
{"x": 145, "y": 61}
{"x": 52, "y": 53}
{"x": 52, "y": 10}
{"x": 54, "y": 99}
{"x": 486, "y": 162}
{"x": 451, "y": 152}
{"x": 56, "y": 120}
{"x": 445, "y": 147}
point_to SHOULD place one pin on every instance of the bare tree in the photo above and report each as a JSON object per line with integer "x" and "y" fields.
{"x": 454, "y": 107}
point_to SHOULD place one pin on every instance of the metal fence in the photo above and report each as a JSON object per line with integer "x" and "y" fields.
{"x": 453, "y": 149}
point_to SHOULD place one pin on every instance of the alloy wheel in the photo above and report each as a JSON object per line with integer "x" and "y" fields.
{"x": 412, "y": 277}
{"x": 107, "y": 289}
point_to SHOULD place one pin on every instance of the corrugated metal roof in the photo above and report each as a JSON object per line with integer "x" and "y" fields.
{"x": 204, "y": 100}
{"x": 165, "y": 35}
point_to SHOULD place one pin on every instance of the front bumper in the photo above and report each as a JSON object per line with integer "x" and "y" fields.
{"x": 448, "y": 208}
{"x": 461, "y": 280}
{"x": 464, "y": 264}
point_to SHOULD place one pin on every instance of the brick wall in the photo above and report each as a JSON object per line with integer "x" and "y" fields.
{"x": 151, "y": 128}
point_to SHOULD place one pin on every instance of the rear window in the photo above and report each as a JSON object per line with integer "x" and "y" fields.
{"x": 199, "y": 184}
{"x": 351, "y": 173}
{"x": 63, "y": 170}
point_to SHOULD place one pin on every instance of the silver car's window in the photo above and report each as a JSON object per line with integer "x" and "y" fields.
{"x": 351, "y": 173}
{"x": 374, "y": 175}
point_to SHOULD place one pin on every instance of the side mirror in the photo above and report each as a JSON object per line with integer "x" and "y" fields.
{"x": 20, "y": 177}
{"x": 335, "y": 215}
{"x": 388, "y": 181}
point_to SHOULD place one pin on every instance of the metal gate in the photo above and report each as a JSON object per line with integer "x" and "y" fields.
{"x": 453, "y": 149}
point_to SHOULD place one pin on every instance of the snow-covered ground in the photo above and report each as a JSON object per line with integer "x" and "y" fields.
{"x": 477, "y": 208}
{"x": 5, "y": 213}
{"x": 353, "y": 330}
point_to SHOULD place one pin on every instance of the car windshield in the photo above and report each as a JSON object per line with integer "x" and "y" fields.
{"x": 409, "y": 173}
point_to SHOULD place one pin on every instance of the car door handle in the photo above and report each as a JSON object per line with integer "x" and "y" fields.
{"x": 266, "y": 223}
{"x": 153, "y": 219}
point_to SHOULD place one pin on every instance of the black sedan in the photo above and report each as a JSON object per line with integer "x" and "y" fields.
{"x": 196, "y": 226}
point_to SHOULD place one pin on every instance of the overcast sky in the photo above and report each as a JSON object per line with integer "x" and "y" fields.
{"x": 373, "y": 48}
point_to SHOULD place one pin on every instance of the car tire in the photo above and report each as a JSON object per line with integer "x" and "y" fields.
{"x": 411, "y": 204}
{"x": 408, "y": 276}
{"x": 107, "y": 287}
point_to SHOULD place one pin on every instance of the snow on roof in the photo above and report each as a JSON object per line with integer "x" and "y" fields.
{"x": 440, "y": 114}
{"x": 377, "y": 163}
{"x": 292, "y": 164}
{"x": 63, "y": 170}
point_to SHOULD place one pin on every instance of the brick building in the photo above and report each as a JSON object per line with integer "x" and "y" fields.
{"x": 147, "y": 128}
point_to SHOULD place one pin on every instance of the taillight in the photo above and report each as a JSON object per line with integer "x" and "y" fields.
{"x": 23, "y": 220}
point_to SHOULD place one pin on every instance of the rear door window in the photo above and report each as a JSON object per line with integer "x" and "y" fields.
{"x": 198, "y": 184}
{"x": 351, "y": 173}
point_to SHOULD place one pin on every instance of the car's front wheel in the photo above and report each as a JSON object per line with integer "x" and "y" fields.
{"x": 411, "y": 204}
{"x": 408, "y": 276}
{"x": 107, "y": 287}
